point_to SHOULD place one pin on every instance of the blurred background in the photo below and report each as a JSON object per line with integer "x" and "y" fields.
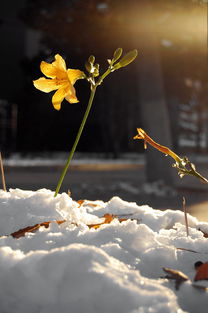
{"x": 164, "y": 91}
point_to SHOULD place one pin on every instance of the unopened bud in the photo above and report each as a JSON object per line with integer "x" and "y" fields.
{"x": 128, "y": 58}
{"x": 91, "y": 59}
{"x": 117, "y": 54}
{"x": 88, "y": 66}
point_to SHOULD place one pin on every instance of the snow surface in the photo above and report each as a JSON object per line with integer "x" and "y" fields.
{"x": 116, "y": 268}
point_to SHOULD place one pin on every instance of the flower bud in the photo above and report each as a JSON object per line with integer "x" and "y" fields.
{"x": 88, "y": 66}
{"x": 91, "y": 59}
{"x": 128, "y": 58}
{"x": 117, "y": 54}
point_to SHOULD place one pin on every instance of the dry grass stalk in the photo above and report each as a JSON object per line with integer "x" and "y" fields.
{"x": 2, "y": 173}
{"x": 185, "y": 216}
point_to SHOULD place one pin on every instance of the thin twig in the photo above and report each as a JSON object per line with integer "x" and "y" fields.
{"x": 2, "y": 173}
{"x": 185, "y": 216}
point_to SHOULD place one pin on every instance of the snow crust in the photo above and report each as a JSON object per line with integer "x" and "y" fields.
{"x": 115, "y": 268}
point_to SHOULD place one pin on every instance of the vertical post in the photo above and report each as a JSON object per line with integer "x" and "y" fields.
{"x": 2, "y": 173}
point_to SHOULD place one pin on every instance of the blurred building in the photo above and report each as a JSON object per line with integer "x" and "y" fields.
{"x": 12, "y": 35}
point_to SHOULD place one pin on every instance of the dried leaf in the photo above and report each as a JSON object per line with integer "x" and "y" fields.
{"x": 34, "y": 228}
{"x": 204, "y": 233}
{"x": 31, "y": 229}
{"x": 81, "y": 202}
{"x": 202, "y": 272}
{"x": 108, "y": 219}
{"x": 178, "y": 276}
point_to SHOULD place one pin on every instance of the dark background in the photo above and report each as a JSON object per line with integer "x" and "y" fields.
{"x": 164, "y": 90}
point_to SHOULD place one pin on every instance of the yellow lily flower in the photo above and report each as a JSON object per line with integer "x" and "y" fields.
{"x": 147, "y": 139}
{"x": 60, "y": 79}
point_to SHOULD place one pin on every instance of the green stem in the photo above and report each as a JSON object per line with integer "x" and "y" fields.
{"x": 195, "y": 173}
{"x": 100, "y": 80}
{"x": 92, "y": 94}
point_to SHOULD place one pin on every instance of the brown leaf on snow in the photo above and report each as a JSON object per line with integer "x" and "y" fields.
{"x": 81, "y": 202}
{"x": 201, "y": 272}
{"x": 34, "y": 228}
{"x": 178, "y": 276}
{"x": 108, "y": 219}
{"x": 204, "y": 233}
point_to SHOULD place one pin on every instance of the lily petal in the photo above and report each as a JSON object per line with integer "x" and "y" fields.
{"x": 48, "y": 69}
{"x": 71, "y": 94}
{"x": 59, "y": 96}
{"x": 56, "y": 69}
{"x": 74, "y": 75}
{"x": 59, "y": 63}
{"x": 46, "y": 85}
{"x": 72, "y": 98}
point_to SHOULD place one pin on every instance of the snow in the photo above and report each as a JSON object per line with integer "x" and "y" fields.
{"x": 115, "y": 268}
